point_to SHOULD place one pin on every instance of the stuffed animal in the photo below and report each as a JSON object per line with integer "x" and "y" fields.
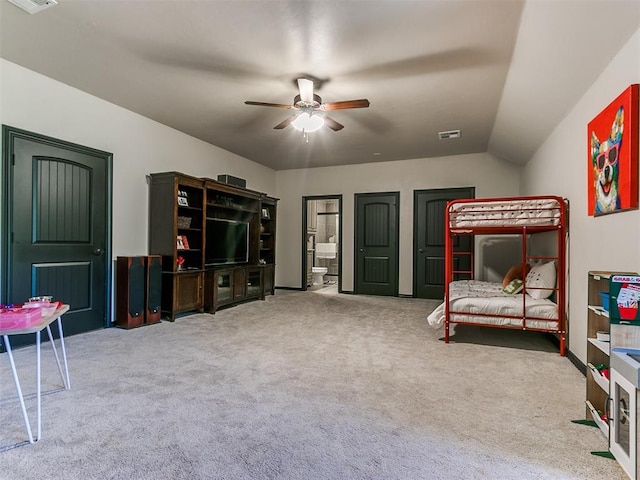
{"x": 515, "y": 272}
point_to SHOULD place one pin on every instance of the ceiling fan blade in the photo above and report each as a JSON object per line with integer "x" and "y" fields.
{"x": 306, "y": 90}
{"x": 332, "y": 124}
{"x": 362, "y": 103}
{"x": 263, "y": 104}
{"x": 285, "y": 123}
{"x": 442, "y": 61}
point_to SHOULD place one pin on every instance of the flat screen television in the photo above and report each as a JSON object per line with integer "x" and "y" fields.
{"x": 227, "y": 242}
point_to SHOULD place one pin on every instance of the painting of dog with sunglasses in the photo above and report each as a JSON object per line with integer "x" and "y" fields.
{"x": 612, "y": 155}
{"x": 605, "y": 156}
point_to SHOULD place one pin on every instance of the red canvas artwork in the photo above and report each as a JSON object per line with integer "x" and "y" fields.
{"x": 612, "y": 146}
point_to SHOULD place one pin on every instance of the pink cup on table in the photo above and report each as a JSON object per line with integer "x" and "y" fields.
{"x": 47, "y": 308}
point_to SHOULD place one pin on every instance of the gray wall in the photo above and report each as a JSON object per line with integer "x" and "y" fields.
{"x": 140, "y": 146}
{"x": 490, "y": 175}
{"x": 610, "y": 242}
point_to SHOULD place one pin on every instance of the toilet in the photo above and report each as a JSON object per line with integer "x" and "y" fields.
{"x": 318, "y": 274}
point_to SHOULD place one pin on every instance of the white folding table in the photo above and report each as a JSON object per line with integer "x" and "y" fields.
{"x": 37, "y": 328}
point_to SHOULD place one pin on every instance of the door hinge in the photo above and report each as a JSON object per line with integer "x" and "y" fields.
{"x": 13, "y": 159}
{"x": 11, "y": 237}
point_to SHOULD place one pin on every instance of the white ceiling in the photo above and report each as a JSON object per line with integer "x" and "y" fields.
{"x": 505, "y": 72}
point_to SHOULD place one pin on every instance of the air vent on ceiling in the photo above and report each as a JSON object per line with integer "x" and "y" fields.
{"x": 449, "y": 134}
{"x": 34, "y": 6}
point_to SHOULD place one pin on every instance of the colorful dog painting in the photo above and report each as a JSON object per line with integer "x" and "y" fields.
{"x": 605, "y": 167}
{"x": 613, "y": 156}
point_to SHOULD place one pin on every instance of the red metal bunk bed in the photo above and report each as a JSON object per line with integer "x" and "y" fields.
{"x": 485, "y": 304}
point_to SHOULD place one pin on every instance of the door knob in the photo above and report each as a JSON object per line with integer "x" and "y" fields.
{"x": 420, "y": 250}
{"x": 97, "y": 252}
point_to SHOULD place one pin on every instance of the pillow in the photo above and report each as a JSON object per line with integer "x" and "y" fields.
{"x": 515, "y": 272}
{"x": 513, "y": 287}
{"x": 542, "y": 275}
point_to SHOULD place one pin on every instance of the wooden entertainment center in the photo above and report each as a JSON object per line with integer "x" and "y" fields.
{"x": 217, "y": 242}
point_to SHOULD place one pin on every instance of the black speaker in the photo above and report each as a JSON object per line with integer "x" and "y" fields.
{"x": 153, "y": 284}
{"x": 130, "y": 291}
{"x": 239, "y": 182}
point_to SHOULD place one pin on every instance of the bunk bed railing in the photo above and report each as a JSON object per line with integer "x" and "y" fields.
{"x": 510, "y": 215}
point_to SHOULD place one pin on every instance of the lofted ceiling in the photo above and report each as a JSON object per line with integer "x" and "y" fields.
{"x": 504, "y": 72}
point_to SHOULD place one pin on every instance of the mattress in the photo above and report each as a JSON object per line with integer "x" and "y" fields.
{"x": 487, "y": 298}
{"x": 502, "y": 213}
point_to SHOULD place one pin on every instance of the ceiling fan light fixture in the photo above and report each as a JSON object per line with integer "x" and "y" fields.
{"x": 310, "y": 111}
{"x": 308, "y": 123}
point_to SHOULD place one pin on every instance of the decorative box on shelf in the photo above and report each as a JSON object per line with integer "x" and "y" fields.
{"x": 624, "y": 292}
{"x": 184, "y": 222}
{"x": 183, "y": 198}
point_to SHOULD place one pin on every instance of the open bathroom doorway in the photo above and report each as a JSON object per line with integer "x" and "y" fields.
{"x": 322, "y": 243}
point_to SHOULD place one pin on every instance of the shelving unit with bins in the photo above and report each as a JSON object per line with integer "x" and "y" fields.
{"x": 598, "y": 351}
{"x": 176, "y": 210}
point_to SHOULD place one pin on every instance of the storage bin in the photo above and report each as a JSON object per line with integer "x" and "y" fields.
{"x": 604, "y": 300}
{"x": 184, "y": 222}
{"x": 19, "y": 317}
{"x": 47, "y": 308}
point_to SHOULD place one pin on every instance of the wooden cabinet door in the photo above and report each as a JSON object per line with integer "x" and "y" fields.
{"x": 269, "y": 279}
{"x": 239, "y": 283}
{"x": 223, "y": 287}
{"x": 255, "y": 282}
{"x": 188, "y": 291}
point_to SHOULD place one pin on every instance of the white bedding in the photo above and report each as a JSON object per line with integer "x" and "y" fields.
{"x": 505, "y": 213}
{"x": 474, "y": 296}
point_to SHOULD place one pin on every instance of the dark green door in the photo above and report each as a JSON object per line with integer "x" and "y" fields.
{"x": 58, "y": 225}
{"x": 429, "y": 208}
{"x": 377, "y": 243}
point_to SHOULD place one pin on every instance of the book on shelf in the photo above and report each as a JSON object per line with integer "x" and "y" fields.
{"x": 182, "y": 242}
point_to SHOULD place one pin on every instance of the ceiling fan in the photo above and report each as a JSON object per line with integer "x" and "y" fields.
{"x": 310, "y": 114}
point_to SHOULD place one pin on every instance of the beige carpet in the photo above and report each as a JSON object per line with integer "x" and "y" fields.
{"x": 305, "y": 385}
